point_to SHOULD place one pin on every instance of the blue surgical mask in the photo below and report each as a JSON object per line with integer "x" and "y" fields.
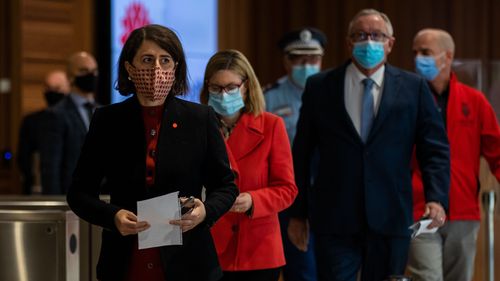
{"x": 426, "y": 66}
{"x": 300, "y": 73}
{"x": 368, "y": 53}
{"x": 226, "y": 104}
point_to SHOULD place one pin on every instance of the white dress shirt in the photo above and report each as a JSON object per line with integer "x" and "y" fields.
{"x": 353, "y": 92}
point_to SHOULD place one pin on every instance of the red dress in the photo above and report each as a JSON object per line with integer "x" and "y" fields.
{"x": 145, "y": 264}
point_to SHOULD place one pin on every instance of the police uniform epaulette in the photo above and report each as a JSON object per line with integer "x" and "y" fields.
{"x": 270, "y": 87}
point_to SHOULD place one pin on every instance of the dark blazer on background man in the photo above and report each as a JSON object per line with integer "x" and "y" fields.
{"x": 62, "y": 138}
{"x": 30, "y": 134}
{"x": 191, "y": 153}
{"x": 359, "y": 185}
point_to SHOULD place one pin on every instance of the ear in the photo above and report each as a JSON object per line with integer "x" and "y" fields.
{"x": 449, "y": 56}
{"x": 287, "y": 64}
{"x": 244, "y": 89}
{"x": 128, "y": 67}
{"x": 390, "y": 44}
{"x": 349, "y": 44}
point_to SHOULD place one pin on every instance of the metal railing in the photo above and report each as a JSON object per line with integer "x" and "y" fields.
{"x": 489, "y": 200}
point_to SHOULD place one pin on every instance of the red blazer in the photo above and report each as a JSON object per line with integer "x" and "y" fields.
{"x": 259, "y": 152}
{"x": 473, "y": 131}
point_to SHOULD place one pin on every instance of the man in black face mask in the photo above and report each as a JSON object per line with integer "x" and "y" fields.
{"x": 67, "y": 124}
{"x": 56, "y": 88}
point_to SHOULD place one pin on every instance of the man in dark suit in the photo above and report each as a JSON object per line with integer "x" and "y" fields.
{"x": 56, "y": 87}
{"x": 365, "y": 118}
{"x": 67, "y": 124}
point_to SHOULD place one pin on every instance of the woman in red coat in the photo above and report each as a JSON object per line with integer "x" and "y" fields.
{"x": 248, "y": 238}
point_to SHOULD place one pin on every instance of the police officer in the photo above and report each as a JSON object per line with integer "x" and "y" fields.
{"x": 302, "y": 56}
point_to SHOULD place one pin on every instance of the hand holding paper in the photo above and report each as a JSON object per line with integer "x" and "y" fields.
{"x": 421, "y": 227}
{"x": 193, "y": 217}
{"x": 126, "y": 222}
{"x": 158, "y": 212}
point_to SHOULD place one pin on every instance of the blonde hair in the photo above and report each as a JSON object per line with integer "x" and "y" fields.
{"x": 236, "y": 62}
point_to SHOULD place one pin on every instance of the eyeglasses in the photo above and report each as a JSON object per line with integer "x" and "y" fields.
{"x": 374, "y": 36}
{"x": 228, "y": 89}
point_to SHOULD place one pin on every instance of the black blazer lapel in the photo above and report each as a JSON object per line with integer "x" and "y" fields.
{"x": 389, "y": 96}
{"x": 172, "y": 133}
{"x": 136, "y": 142}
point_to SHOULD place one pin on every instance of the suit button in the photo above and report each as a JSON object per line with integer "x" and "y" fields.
{"x": 235, "y": 228}
{"x": 150, "y": 265}
{"x": 152, "y": 132}
{"x": 152, "y": 153}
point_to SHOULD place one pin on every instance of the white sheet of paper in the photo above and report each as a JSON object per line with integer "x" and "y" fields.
{"x": 421, "y": 227}
{"x": 158, "y": 212}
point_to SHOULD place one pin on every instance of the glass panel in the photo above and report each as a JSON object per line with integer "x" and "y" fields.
{"x": 494, "y": 87}
{"x": 469, "y": 72}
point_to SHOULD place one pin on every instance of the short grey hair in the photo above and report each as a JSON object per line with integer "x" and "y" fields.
{"x": 368, "y": 12}
{"x": 443, "y": 38}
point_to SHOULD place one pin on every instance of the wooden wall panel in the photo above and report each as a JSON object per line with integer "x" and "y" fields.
{"x": 36, "y": 70}
{"x": 33, "y": 99}
{"x": 42, "y": 38}
{"x": 51, "y": 31}
{"x": 48, "y": 10}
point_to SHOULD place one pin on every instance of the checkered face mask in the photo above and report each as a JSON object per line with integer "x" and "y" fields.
{"x": 153, "y": 83}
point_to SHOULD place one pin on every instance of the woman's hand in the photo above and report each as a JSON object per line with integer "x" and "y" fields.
{"x": 193, "y": 217}
{"x": 127, "y": 224}
{"x": 242, "y": 203}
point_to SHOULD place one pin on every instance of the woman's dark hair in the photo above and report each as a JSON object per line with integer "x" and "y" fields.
{"x": 165, "y": 39}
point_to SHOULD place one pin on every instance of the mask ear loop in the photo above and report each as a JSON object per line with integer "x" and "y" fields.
{"x": 130, "y": 65}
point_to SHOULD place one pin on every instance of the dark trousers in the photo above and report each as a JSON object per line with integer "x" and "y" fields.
{"x": 272, "y": 274}
{"x": 340, "y": 257}
{"x": 300, "y": 266}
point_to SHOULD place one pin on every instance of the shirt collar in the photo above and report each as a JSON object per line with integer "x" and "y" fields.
{"x": 358, "y": 76}
{"x": 79, "y": 100}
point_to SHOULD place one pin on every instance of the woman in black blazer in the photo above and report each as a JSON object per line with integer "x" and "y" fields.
{"x": 149, "y": 145}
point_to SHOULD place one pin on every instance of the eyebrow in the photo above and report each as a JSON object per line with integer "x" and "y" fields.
{"x": 151, "y": 55}
{"x": 422, "y": 49}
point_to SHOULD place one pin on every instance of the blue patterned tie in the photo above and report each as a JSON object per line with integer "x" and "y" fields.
{"x": 367, "y": 114}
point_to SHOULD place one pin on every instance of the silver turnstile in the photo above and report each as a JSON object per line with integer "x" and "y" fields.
{"x": 41, "y": 239}
{"x": 39, "y": 245}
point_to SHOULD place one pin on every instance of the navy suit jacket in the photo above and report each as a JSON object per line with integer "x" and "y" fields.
{"x": 30, "y": 133}
{"x": 361, "y": 186}
{"x": 62, "y": 138}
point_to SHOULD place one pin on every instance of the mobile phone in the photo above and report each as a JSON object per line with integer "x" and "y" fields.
{"x": 187, "y": 205}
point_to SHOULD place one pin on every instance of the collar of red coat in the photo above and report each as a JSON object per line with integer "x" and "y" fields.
{"x": 247, "y": 135}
